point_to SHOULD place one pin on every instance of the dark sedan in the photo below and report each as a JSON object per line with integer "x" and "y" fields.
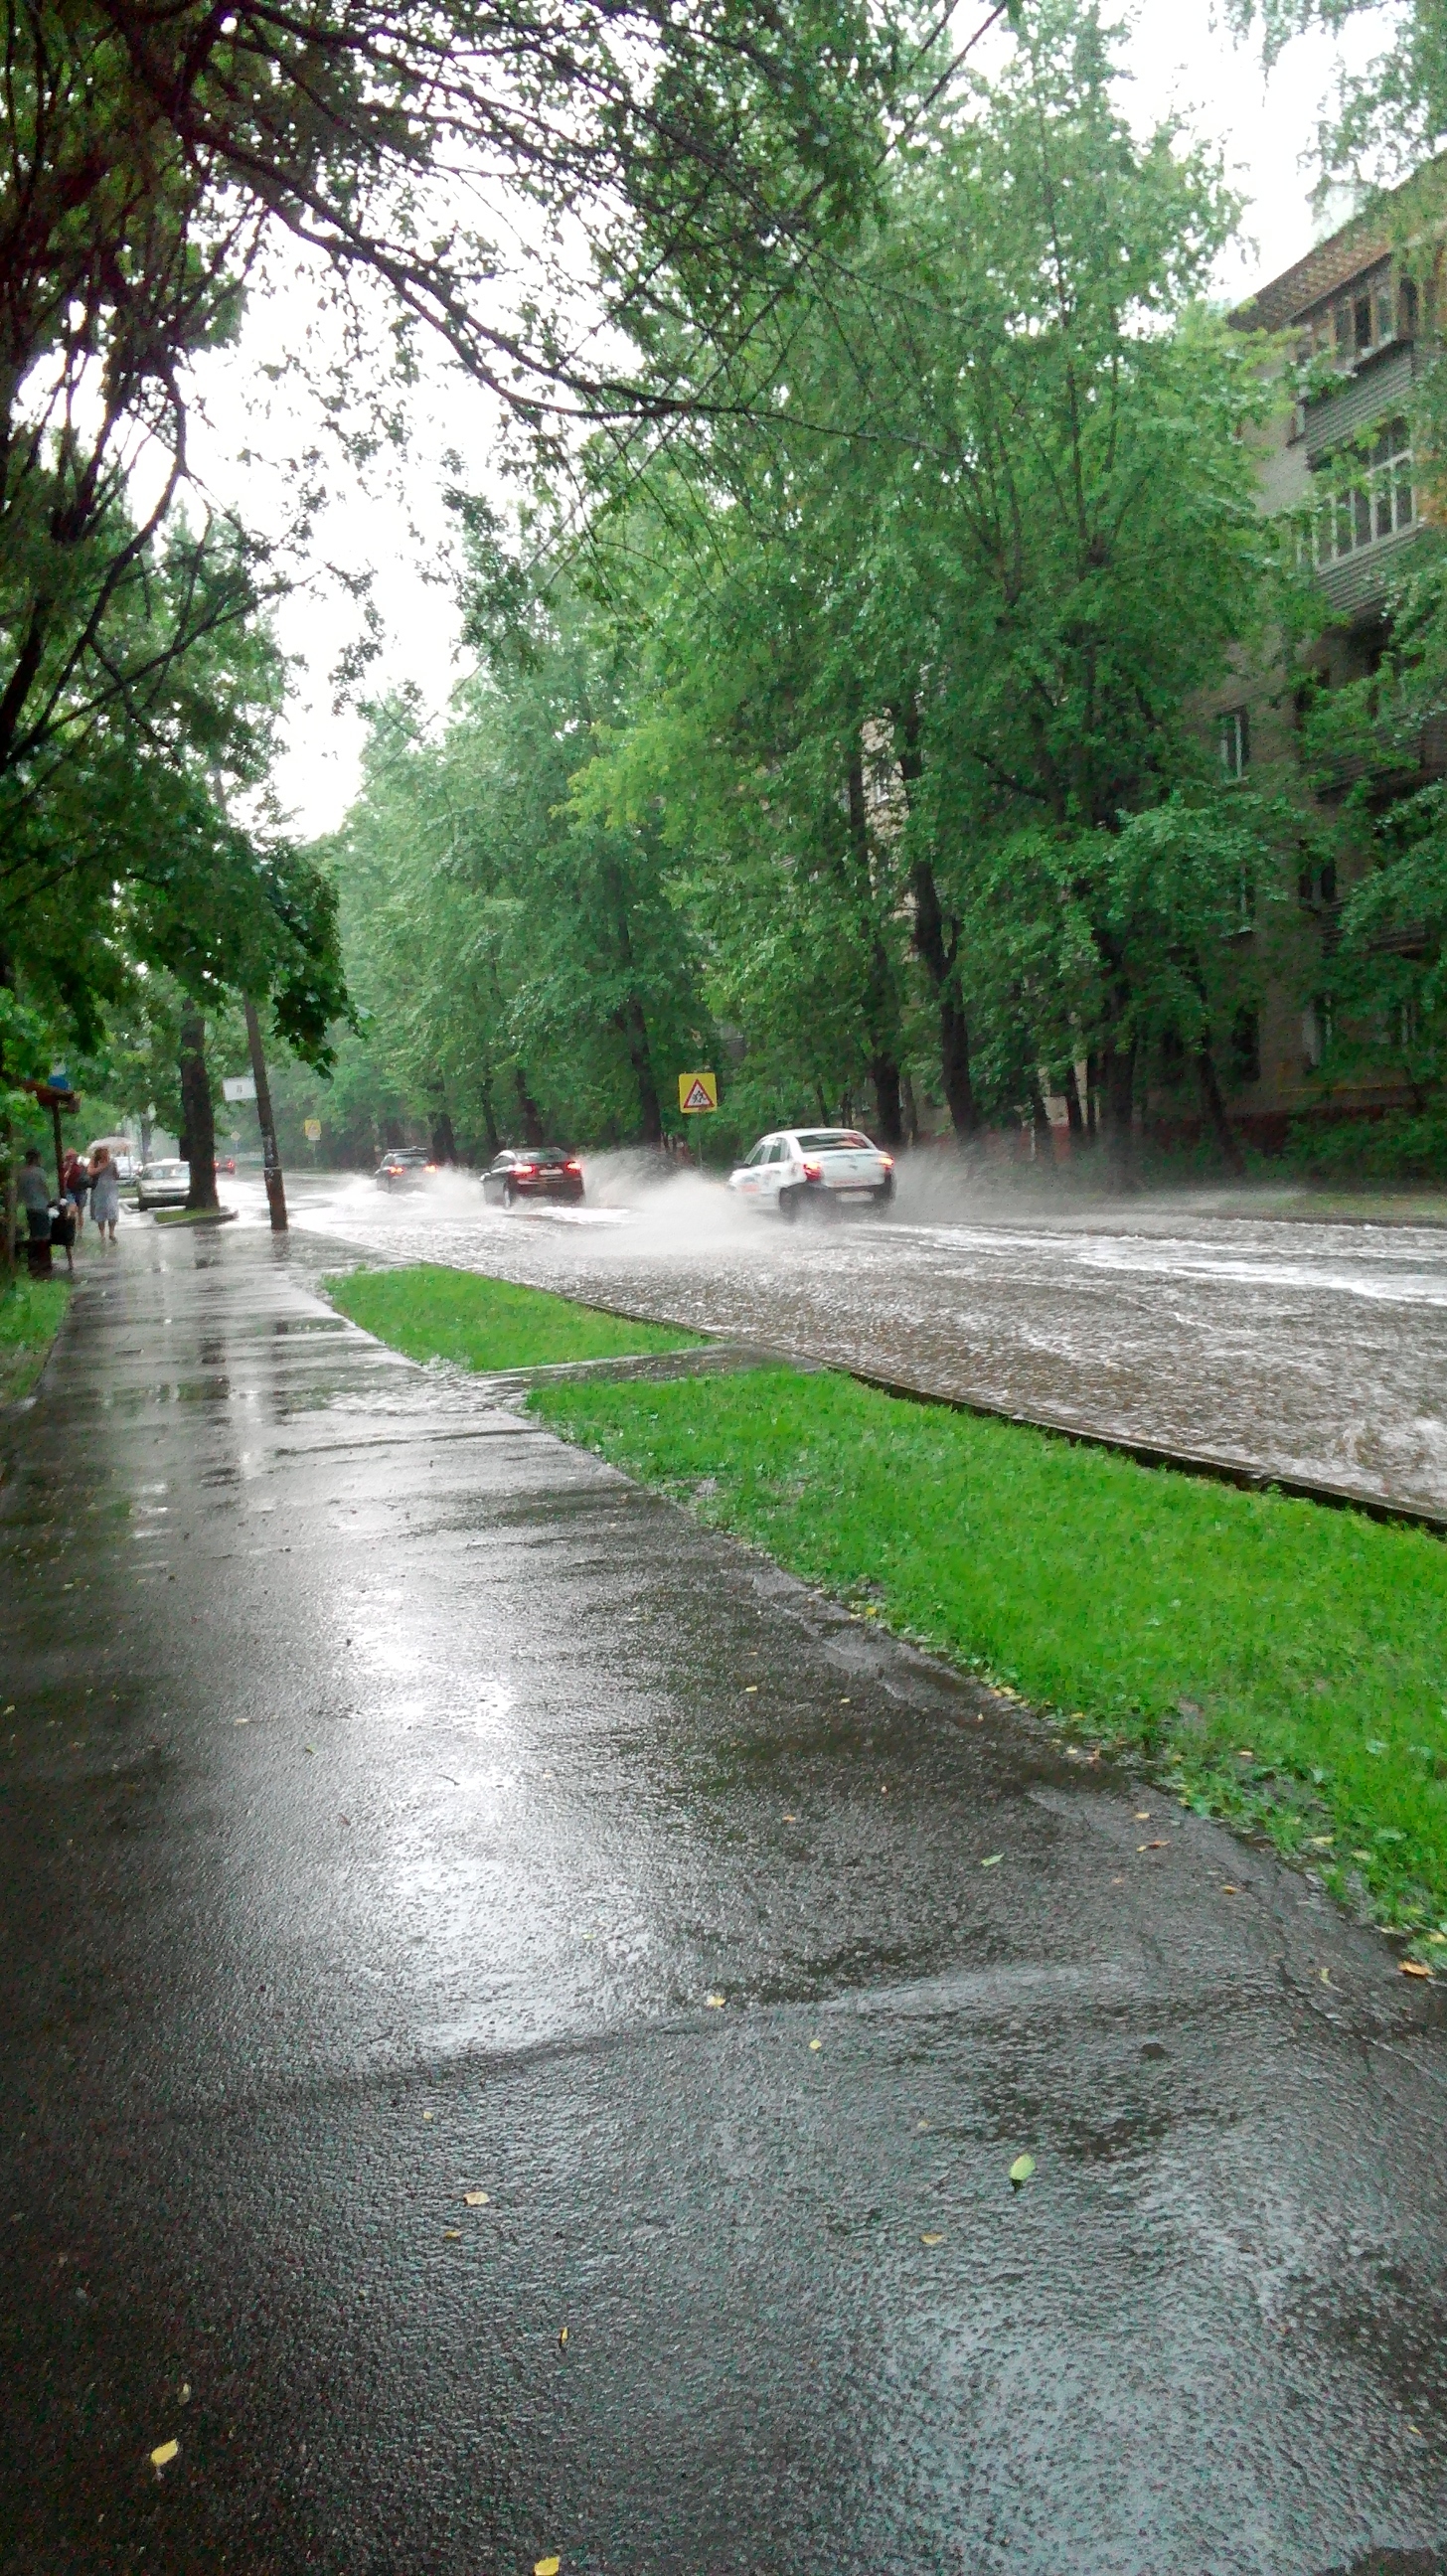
{"x": 533, "y": 1172}
{"x": 405, "y": 1168}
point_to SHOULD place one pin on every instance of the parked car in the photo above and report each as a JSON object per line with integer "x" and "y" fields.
{"x": 163, "y": 1185}
{"x": 406, "y": 1167}
{"x": 812, "y": 1171}
{"x": 533, "y": 1172}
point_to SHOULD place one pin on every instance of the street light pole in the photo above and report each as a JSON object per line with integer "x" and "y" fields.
{"x": 270, "y": 1158}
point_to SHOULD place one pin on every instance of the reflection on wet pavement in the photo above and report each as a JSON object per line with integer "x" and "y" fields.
{"x": 1316, "y": 1352}
{"x": 448, "y": 1896}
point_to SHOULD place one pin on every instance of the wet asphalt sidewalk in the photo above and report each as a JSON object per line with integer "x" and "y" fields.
{"x": 390, "y": 1794}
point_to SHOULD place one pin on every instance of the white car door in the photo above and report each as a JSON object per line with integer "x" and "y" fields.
{"x": 750, "y": 1178}
{"x": 772, "y": 1171}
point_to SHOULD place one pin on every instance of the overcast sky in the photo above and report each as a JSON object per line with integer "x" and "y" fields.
{"x": 1179, "y": 57}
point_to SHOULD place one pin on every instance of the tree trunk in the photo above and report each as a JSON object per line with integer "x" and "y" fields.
{"x": 528, "y": 1110}
{"x": 1117, "y": 1068}
{"x": 1073, "y": 1111}
{"x": 444, "y": 1143}
{"x": 911, "y": 1108}
{"x": 198, "y": 1139}
{"x": 1213, "y": 1108}
{"x": 937, "y": 952}
{"x": 650, "y": 1113}
{"x": 271, "y": 1171}
{"x": 888, "y": 1108}
{"x": 489, "y": 1121}
{"x": 881, "y": 1001}
{"x": 7, "y": 1144}
{"x": 1092, "y": 1097}
{"x": 1043, "y": 1133}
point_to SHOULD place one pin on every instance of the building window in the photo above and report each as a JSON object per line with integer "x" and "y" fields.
{"x": 1380, "y": 505}
{"x": 1316, "y": 1031}
{"x": 1246, "y": 1046}
{"x": 1235, "y": 741}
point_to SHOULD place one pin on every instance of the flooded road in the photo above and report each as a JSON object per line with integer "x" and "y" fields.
{"x": 516, "y": 2020}
{"x": 1309, "y": 1351}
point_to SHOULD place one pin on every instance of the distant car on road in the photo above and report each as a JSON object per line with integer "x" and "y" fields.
{"x": 406, "y": 1168}
{"x": 163, "y": 1185}
{"x": 533, "y": 1172}
{"x": 813, "y": 1170}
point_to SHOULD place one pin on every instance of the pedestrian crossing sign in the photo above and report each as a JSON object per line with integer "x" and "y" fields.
{"x": 697, "y": 1091}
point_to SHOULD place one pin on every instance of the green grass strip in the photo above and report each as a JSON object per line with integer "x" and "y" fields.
{"x": 1152, "y": 1611}
{"x": 31, "y": 1314}
{"x": 433, "y": 1313}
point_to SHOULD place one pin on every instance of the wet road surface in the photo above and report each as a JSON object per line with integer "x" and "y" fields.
{"x": 388, "y": 1790}
{"x": 1313, "y": 1352}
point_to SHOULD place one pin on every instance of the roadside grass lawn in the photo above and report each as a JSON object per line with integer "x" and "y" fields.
{"x": 31, "y": 1312}
{"x": 1281, "y": 1664}
{"x": 433, "y": 1313}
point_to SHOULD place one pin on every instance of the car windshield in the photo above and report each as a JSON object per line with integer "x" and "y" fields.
{"x": 836, "y": 1140}
{"x": 167, "y": 1171}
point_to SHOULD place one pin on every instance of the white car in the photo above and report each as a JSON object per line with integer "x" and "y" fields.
{"x": 811, "y": 1170}
{"x": 163, "y": 1185}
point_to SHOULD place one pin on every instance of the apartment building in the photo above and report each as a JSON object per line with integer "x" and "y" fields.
{"x": 1363, "y": 312}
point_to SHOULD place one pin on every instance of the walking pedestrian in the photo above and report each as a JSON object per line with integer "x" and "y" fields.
{"x": 105, "y": 1192}
{"x": 34, "y": 1197}
{"x": 75, "y": 1182}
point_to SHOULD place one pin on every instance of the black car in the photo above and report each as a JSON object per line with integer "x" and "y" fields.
{"x": 533, "y": 1172}
{"x": 405, "y": 1168}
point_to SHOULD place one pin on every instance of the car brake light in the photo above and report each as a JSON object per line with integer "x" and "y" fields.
{"x": 888, "y": 1161}
{"x": 812, "y": 1171}
{"x": 572, "y": 1167}
{"x": 525, "y": 1171}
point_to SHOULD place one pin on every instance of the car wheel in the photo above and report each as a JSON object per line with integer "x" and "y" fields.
{"x": 788, "y": 1205}
{"x": 882, "y": 1197}
{"x": 509, "y": 1195}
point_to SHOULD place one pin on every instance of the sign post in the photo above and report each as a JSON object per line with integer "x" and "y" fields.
{"x": 697, "y": 1092}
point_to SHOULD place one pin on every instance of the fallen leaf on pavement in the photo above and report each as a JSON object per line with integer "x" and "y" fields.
{"x": 452, "y": 2231}
{"x": 1142, "y": 1815}
{"x": 1021, "y": 2170}
{"x": 1414, "y": 1968}
{"x": 1326, "y": 1976}
{"x": 931, "y": 2240}
{"x": 546, "y": 2566}
{"x": 1157, "y": 1846}
{"x": 791, "y": 1820}
{"x": 163, "y": 2454}
{"x": 1227, "y": 1889}
{"x": 475, "y": 2199}
{"x": 715, "y": 2002}
{"x": 816, "y": 2043}
{"x": 427, "y": 2115}
{"x": 563, "y": 2340}
{"x": 750, "y": 1689}
{"x": 993, "y": 1862}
